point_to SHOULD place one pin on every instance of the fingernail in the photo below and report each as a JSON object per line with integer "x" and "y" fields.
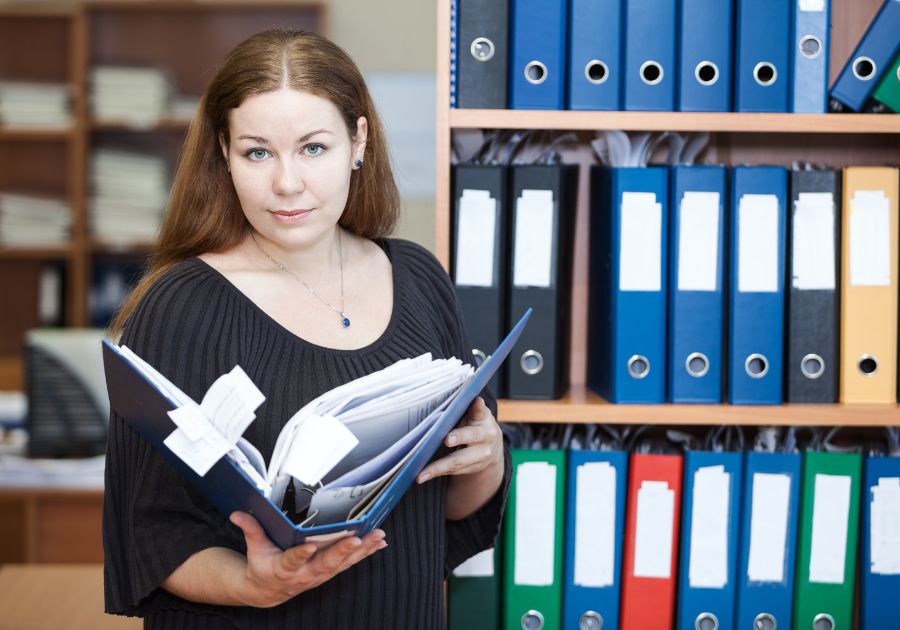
{"x": 382, "y": 545}
{"x": 424, "y": 478}
{"x": 451, "y": 440}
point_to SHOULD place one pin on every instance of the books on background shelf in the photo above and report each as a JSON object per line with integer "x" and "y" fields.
{"x": 34, "y": 221}
{"x": 27, "y": 104}
{"x": 130, "y": 191}
{"x": 137, "y": 96}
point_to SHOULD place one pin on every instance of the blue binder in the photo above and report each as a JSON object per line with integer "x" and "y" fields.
{"x": 762, "y": 55}
{"x": 809, "y": 85}
{"x": 705, "y": 55}
{"x": 588, "y": 600}
{"x": 650, "y": 72}
{"x": 696, "y": 290}
{"x": 772, "y": 599}
{"x": 756, "y": 295}
{"x": 706, "y": 589}
{"x": 872, "y": 57}
{"x": 627, "y": 319}
{"x": 595, "y": 51}
{"x": 879, "y": 584}
{"x": 538, "y": 60}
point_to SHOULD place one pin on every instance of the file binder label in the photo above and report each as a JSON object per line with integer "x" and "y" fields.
{"x": 870, "y": 239}
{"x": 813, "y": 242}
{"x": 698, "y": 241}
{"x": 709, "y": 528}
{"x": 640, "y": 256}
{"x": 653, "y": 530}
{"x": 479, "y": 565}
{"x": 885, "y": 526}
{"x": 532, "y": 266}
{"x": 475, "y": 239}
{"x": 595, "y": 525}
{"x": 535, "y": 523}
{"x": 758, "y": 244}
{"x": 770, "y": 506}
{"x": 831, "y": 512}
{"x": 812, "y": 5}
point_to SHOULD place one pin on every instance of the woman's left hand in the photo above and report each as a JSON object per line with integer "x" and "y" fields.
{"x": 479, "y": 432}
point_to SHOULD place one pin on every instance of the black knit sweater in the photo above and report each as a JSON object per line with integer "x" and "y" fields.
{"x": 193, "y": 326}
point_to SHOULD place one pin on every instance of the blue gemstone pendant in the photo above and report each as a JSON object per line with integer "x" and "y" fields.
{"x": 345, "y": 321}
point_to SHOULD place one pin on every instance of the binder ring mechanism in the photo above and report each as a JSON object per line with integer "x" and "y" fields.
{"x": 810, "y": 46}
{"x": 479, "y": 357}
{"x": 482, "y": 49}
{"x": 868, "y": 365}
{"x": 697, "y": 364}
{"x": 706, "y": 73}
{"x": 823, "y": 621}
{"x": 764, "y": 621}
{"x": 532, "y": 362}
{"x": 590, "y": 620}
{"x": 706, "y": 621}
{"x": 812, "y": 366}
{"x": 535, "y": 72}
{"x": 651, "y": 72}
{"x": 638, "y": 366}
{"x": 532, "y": 620}
{"x": 756, "y": 366}
{"x": 864, "y": 68}
{"x": 596, "y": 72}
{"x": 765, "y": 73}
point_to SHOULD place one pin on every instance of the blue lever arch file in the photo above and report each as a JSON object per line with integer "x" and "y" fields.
{"x": 880, "y": 571}
{"x": 705, "y": 50}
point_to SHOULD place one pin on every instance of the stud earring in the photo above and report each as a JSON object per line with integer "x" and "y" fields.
{"x": 359, "y": 163}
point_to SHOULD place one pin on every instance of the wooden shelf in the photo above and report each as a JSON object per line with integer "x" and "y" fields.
{"x": 675, "y": 121}
{"x": 34, "y": 253}
{"x": 165, "y": 125}
{"x": 139, "y": 249}
{"x": 35, "y": 134}
{"x": 582, "y": 405}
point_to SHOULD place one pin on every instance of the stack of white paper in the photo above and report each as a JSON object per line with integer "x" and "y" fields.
{"x": 137, "y": 96}
{"x": 34, "y": 104}
{"x": 16, "y": 471}
{"x": 130, "y": 191}
{"x": 33, "y": 221}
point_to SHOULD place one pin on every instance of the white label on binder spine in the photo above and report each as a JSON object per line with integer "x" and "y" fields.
{"x": 770, "y": 505}
{"x": 533, "y": 263}
{"x": 812, "y": 6}
{"x": 479, "y": 565}
{"x": 640, "y": 243}
{"x": 653, "y": 531}
{"x": 595, "y": 524}
{"x": 831, "y": 512}
{"x": 709, "y": 528}
{"x": 885, "y": 526}
{"x": 475, "y": 238}
{"x": 698, "y": 241}
{"x": 535, "y": 523}
{"x": 758, "y": 244}
{"x": 870, "y": 239}
{"x": 813, "y": 242}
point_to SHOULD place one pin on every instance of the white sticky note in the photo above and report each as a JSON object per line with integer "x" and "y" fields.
{"x": 708, "y": 566}
{"x": 812, "y": 6}
{"x": 535, "y": 523}
{"x": 640, "y": 243}
{"x": 653, "y": 532}
{"x": 698, "y": 241}
{"x": 770, "y": 506}
{"x": 479, "y": 565}
{"x": 230, "y": 403}
{"x": 190, "y": 419}
{"x": 200, "y": 455}
{"x": 534, "y": 238}
{"x": 831, "y": 511}
{"x": 885, "y": 526}
{"x": 319, "y": 443}
{"x": 758, "y": 244}
{"x": 595, "y": 524}
{"x": 812, "y": 249}
{"x": 870, "y": 239}
{"x": 475, "y": 238}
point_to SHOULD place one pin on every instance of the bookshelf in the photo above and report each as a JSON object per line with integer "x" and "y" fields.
{"x": 737, "y": 138}
{"x": 185, "y": 37}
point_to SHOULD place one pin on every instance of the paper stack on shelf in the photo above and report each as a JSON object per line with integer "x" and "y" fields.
{"x": 33, "y": 221}
{"x": 139, "y": 96}
{"x": 20, "y": 472}
{"x": 45, "y": 105}
{"x": 130, "y": 191}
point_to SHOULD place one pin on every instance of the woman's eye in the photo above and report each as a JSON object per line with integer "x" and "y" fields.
{"x": 313, "y": 150}
{"x": 257, "y": 154}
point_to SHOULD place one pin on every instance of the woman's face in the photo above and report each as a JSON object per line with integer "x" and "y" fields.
{"x": 291, "y": 158}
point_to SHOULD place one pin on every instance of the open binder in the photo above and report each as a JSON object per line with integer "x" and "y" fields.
{"x": 366, "y": 494}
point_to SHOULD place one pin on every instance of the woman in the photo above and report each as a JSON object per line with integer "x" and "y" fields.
{"x": 272, "y": 256}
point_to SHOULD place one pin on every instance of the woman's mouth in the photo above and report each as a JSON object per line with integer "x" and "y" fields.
{"x": 291, "y": 216}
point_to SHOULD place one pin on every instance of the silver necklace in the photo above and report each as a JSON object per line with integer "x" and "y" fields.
{"x": 345, "y": 321}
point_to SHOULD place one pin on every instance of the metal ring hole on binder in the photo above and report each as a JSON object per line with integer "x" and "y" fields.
{"x": 532, "y": 362}
{"x": 764, "y": 621}
{"x": 590, "y": 621}
{"x": 651, "y": 72}
{"x": 697, "y": 364}
{"x": 706, "y": 621}
{"x": 868, "y": 365}
{"x": 812, "y": 366}
{"x": 898, "y": 73}
{"x": 756, "y": 366}
{"x": 765, "y": 73}
{"x": 707, "y": 73}
{"x": 810, "y": 46}
{"x": 864, "y": 68}
{"x": 638, "y": 366}
{"x": 596, "y": 72}
{"x": 479, "y": 357}
{"x": 482, "y": 49}
{"x": 532, "y": 620}
{"x": 535, "y": 72}
{"x": 823, "y": 621}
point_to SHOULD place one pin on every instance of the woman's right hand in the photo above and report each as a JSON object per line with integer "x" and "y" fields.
{"x": 274, "y": 576}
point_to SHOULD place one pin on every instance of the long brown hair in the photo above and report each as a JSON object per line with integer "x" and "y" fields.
{"x": 203, "y": 213}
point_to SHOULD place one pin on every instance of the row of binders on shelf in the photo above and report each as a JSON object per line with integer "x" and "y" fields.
{"x": 665, "y": 55}
{"x": 605, "y": 528}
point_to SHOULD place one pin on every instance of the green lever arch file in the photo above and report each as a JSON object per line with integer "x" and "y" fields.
{"x": 474, "y": 600}
{"x": 887, "y": 92}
